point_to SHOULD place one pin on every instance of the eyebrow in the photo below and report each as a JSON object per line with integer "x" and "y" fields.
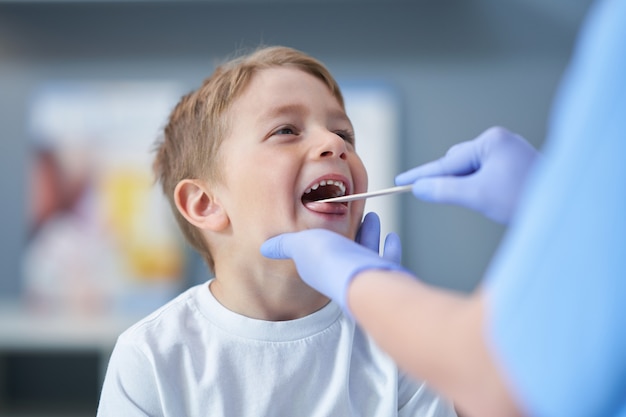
{"x": 280, "y": 110}
{"x": 298, "y": 109}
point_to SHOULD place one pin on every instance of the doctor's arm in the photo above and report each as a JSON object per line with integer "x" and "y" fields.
{"x": 436, "y": 335}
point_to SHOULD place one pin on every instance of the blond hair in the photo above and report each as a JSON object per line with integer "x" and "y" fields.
{"x": 188, "y": 148}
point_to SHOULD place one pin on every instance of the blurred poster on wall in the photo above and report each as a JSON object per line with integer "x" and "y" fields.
{"x": 102, "y": 237}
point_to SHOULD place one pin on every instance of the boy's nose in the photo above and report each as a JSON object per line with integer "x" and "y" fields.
{"x": 332, "y": 145}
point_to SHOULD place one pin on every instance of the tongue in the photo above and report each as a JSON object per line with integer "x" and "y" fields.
{"x": 328, "y": 208}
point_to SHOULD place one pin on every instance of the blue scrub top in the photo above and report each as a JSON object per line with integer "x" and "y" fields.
{"x": 556, "y": 289}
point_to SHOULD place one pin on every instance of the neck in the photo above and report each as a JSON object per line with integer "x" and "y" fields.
{"x": 273, "y": 295}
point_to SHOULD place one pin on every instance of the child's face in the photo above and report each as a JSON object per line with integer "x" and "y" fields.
{"x": 288, "y": 134}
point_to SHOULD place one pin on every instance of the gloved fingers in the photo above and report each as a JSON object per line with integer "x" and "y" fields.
{"x": 277, "y": 247}
{"x": 369, "y": 232}
{"x": 448, "y": 190}
{"x": 428, "y": 169}
{"x": 461, "y": 159}
{"x": 392, "y": 249}
{"x": 328, "y": 261}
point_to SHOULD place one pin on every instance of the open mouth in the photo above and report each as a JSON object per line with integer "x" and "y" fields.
{"x": 322, "y": 190}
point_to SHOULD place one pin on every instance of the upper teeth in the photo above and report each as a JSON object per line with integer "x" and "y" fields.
{"x": 341, "y": 185}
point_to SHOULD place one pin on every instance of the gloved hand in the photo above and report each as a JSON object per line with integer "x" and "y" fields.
{"x": 328, "y": 261}
{"x": 369, "y": 236}
{"x": 486, "y": 174}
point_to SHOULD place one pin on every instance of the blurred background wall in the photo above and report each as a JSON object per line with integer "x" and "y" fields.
{"x": 459, "y": 66}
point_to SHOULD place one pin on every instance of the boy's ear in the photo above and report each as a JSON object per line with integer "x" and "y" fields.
{"x": 199, "y": 206}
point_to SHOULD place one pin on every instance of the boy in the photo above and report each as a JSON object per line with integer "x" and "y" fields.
{"x": 244, "y": 158}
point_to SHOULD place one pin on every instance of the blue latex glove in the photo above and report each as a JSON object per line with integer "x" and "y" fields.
{"x": 486, "y": 174}
{"x": 328, "y": 261}
{"x": 369, "y": 236}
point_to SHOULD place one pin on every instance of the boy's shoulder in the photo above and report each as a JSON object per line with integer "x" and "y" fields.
{"x": 167, "y": 319}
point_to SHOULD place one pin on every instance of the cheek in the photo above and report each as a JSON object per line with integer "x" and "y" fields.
{"x": 360, "y": 179}
{"x": 253, "y": 175}
{"x": 264, "y": 188}
{"x": 357, "y": 210}
{"x": 359, "y": 176}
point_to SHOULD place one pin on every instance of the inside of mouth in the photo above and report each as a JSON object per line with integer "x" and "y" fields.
{"x": 322, "y": 193}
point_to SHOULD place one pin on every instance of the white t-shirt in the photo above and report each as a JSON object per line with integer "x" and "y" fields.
{"x": 194, "y": 357}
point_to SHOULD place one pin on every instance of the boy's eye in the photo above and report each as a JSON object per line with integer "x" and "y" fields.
{"x": 285, "y": 131}
{"x": 346, "y": 135}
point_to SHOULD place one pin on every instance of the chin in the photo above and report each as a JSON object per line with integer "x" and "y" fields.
{"x": 350, "y": 233}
